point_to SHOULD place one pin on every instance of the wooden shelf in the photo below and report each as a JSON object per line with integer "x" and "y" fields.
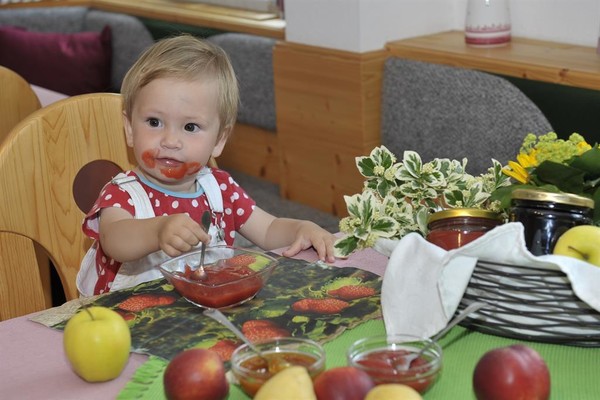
{"x": 566, "y": 64}
{"x": 196, "y": 14}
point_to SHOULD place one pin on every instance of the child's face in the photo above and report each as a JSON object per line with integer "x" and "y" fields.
{"x": 173, "y": 130}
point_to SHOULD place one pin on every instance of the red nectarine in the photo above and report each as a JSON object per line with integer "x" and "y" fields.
{"x": 513, "y": 372}
{"x": 343, "y": 383}
{"x": 196, "y": 374}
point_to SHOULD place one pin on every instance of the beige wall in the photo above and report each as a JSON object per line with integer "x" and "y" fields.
{"x": 366, "y": 25}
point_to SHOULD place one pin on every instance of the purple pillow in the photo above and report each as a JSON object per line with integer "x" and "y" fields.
{"x": 69, "y": 63}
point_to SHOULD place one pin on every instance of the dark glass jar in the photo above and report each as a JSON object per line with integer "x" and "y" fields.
{"x": 453, "y": 228}
{"x": 545, "y": 216}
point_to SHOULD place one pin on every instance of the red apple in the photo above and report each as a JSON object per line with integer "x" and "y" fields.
{"x": 513, "y": 372}
{"x": 196, "y": 374}
{"x": 343, "y": 383}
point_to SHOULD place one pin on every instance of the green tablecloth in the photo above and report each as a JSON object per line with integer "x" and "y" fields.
{"x": 575, "y": 371}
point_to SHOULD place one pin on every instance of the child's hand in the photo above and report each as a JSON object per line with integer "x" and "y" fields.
{"x": 310, "y": 234}
{"x": 178, "y": 233}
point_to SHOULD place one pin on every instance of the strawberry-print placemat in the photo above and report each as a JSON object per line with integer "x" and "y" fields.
{"x": 301, "y": 299}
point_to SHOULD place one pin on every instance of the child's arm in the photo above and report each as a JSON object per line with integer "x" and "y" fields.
{"x": 270, "y": 232}
{"x": 126, "y": 239}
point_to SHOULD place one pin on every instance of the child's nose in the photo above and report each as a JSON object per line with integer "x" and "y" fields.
{"x": 171, "y": 138}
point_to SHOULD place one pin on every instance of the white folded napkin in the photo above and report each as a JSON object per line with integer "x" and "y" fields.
{"x": 423, "y": 284}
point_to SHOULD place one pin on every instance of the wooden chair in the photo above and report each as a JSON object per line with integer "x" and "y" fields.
{"x": 42, "y": 160}
{"x": 52, "y": 166}
{"x": 17, "y": 100}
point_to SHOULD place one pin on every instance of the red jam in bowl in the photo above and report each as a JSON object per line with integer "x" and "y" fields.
{"x": 384, "y": 359}
{"x": 232, "y": 275}
{"x": 381, "y": 366}
{"x": 213, "y": 291}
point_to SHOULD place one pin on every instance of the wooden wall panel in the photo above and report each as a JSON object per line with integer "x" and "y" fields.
{"x": 328, "y": 112}
{"x": 253, "y": 151}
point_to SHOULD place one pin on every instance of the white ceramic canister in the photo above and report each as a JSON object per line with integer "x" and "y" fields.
{"x": 487, "y": 23}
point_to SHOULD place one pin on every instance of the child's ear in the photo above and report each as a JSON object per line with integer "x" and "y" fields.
{"x": 218, "y": 149}
{"x": 128, "y": 130}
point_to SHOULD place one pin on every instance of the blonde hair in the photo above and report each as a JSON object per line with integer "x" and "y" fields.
{"x": 189, "y": 58}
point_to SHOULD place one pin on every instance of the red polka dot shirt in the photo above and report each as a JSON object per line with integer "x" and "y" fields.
{"x": 237, "y": 207}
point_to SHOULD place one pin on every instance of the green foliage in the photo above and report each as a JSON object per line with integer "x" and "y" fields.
{"x": 398, "y": 197}
{"x": 557, "y": 165}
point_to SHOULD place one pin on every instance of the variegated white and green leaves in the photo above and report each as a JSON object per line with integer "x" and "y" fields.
{"x": 367, "y": 221}
{"x": 379, "y": 169}
{"x": 398, "y": 197}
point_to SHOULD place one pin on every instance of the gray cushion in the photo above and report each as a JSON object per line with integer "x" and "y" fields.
{"x": 252, "y": 60}
{"x": 46, "y": 19}
{"x": 129, "y": 39}
{"x": 446, "y": 112}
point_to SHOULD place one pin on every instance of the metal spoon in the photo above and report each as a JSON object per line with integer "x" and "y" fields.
{"x": 200, "y": 274}
{"x": 274, "y": 364}
{"x": 404, "y": 363}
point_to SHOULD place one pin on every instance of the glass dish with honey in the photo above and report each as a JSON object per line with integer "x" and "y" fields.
{"x": 252, "y": 370}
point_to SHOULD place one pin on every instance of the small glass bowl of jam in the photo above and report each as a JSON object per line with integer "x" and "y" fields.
{"x": 233, "y": 275}
{"x": 383, "y": 358}
{"x": 252, "y": 370}
{"x": 455, "y": 227}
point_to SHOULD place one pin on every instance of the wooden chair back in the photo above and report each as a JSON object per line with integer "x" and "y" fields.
{"x": 17, "y": 100}
{"x": 40, "y": 163}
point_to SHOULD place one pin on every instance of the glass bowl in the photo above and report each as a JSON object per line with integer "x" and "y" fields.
{"x": 233, "y": 275}
{"x": 251, "y": 371}
{"x": 379, "y": 356}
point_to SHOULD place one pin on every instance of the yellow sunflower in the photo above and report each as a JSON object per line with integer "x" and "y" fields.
{"x": 519, "y": 170}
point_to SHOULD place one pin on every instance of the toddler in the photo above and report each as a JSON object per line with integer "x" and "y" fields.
{"x": 180, "y": 102}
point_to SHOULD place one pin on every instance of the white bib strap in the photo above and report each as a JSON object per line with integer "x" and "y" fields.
{"x": 211, "y": 187}
{"x": 139, "y": 197}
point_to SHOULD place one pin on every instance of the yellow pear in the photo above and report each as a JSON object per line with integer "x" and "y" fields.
{"x": 394, "y": 391}
{"x": 290, "y": 383}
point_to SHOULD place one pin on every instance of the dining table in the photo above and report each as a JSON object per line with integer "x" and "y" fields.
{"x": 33, "y": 364}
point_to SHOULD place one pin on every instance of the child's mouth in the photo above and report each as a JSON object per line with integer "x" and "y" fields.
{"x": 168, "y": 162}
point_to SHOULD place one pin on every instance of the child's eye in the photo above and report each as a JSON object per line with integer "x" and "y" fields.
{"x": 153, "y": 122}
{"x": 191, "y": 127}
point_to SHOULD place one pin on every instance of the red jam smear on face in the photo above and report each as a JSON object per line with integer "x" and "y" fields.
{"x": 450, "y": 239}
{"x": 381, "y": 366}
{"x": 262, "y": 372}
{"x": 148, "y": 158}
{"x": 211, "y": 291}
{"x": 181, "y": 171}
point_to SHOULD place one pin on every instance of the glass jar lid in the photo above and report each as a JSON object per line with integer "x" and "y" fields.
{"x": 463, "y": 212}
{"x": 561, "y": 198}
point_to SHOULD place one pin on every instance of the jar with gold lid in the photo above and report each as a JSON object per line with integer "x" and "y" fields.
{"x": 455, "y": 227}
{"x": 545, "y": 216}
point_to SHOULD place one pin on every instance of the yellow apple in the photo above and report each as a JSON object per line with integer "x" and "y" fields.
{"x": 581, "y": 242}
{"x": 97, "y": 342}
